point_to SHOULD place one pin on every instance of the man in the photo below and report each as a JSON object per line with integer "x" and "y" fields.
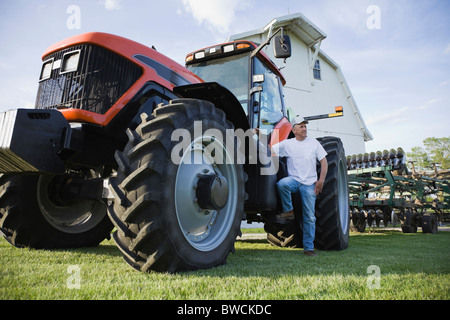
{"x": 302, "y": 153}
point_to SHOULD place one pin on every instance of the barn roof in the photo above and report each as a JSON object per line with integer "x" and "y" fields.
{"x": 312, "y": 36}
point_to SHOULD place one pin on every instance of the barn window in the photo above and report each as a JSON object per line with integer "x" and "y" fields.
{"x": 316, "y": 70}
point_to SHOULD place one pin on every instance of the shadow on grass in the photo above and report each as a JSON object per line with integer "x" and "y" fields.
{"x": 393, "y": 251}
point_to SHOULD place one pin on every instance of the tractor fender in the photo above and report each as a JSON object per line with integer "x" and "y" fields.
{"x": 221, "y": 97}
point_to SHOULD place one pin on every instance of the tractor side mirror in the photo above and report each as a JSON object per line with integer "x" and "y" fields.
{"x": 282, "y": 47}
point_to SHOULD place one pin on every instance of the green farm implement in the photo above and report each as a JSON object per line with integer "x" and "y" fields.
{"x": 381, "y": 188}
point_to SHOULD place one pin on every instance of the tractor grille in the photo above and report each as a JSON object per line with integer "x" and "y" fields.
{"x": 86, "y": 77}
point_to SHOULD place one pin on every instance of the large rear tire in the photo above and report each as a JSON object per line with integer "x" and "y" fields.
{"x": 175, "y": 208}
{"x": 332, "y": 205}
{"x": 32, "y": 214}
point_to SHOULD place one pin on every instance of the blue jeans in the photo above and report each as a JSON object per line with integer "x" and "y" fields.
{"x": 286, "y": 187}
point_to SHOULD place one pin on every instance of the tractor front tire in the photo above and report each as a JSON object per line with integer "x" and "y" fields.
{"x": 178, "y": 204}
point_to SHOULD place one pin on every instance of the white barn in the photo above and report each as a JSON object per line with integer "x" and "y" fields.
{"x": 315, "y": 83}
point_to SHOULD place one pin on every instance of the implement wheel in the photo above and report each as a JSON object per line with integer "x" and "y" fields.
{"x": 409, "y": 223}
{"x": 429, "y": 223}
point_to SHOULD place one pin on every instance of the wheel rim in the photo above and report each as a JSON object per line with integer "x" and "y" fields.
{"x": 204, "y": 229}
{"x": 74, "y": 218}
{"x": 344, "y": 213}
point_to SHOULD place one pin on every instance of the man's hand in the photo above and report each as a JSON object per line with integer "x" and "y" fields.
{"x": 323, "y": 173}
{"x": 318, "y": 187}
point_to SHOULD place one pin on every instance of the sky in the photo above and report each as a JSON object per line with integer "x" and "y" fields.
{"x": 395, "y": 54}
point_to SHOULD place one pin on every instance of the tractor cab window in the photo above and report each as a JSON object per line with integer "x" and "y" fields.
{"x": 230, "y": 72}
{"x": 270, "y": 104}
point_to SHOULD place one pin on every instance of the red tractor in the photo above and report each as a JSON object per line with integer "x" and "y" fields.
{"x": 124, "y": 138}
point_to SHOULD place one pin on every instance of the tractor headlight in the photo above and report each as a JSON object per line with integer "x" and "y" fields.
{"x": 70, "y": 61}
{"x": 46, "y": 70}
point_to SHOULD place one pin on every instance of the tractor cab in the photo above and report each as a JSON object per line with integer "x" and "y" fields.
{"x": 249, "y": 74}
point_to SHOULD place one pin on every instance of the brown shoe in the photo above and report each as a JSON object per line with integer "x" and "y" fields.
{"x": 286, "y": 215}
{"x": 309, "y": 253}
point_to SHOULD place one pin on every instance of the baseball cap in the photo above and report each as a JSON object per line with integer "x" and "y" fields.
{"x": 298, "y": 119}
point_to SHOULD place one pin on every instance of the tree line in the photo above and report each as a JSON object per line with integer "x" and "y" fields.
{"x": 433, "y": 151}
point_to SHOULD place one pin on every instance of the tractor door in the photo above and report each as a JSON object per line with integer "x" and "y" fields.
{"x": 267, "y": 97}
{"x": 268, "y": 110}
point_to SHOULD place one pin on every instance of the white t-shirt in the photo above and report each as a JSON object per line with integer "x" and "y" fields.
{"x": 301, "y": 158}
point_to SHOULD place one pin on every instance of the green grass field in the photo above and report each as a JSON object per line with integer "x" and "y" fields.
{"x": 378, "y": 265}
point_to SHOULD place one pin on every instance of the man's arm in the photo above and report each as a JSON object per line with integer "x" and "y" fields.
{"x": 323, "y": 174}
